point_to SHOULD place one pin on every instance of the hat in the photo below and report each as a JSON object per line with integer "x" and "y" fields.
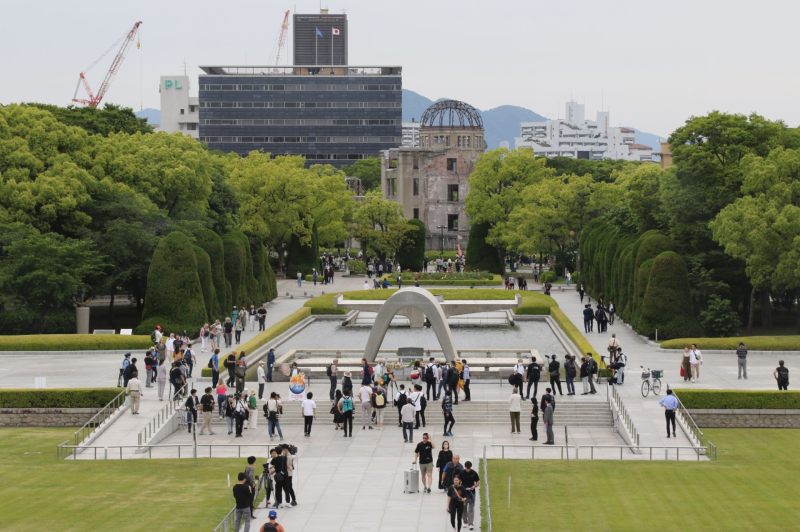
{"x": 273, "y": 514}
{"x": 261, "y": 363}
{"x": 158, "y": 326}
{"x": 347, "y": 374}
{"x": 127, "y": 355}
{"x": 253, "y": 391}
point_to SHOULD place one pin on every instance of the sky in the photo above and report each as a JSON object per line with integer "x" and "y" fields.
{"x": 652, "y": 64}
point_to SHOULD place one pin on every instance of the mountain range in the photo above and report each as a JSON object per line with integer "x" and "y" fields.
{"x": 500, "y": 123}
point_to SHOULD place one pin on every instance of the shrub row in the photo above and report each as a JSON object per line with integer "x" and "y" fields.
{"x": 58, "y": 398}
{"x": 276, "y": 330}
{"x": 73, "y": 342}
{"x": 573, "y": 333}
{"x": 753, "y": 343}
{"x": 739, "y": 399}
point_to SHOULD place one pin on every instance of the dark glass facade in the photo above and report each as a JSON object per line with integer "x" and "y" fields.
{"x": 311, "y": 48}
{"x": 329, "y": 119}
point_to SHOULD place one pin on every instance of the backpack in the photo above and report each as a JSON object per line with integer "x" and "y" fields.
{"x": 211, "y": 362}
{"x": 423, "y": 402}
{"x": 380, "y": 400}
{"x": 347, "y": 404}
{"x": 153, "y": 337}
{"x": 329, "y": 371}
{"x": 371, "y": 371}
{"x": 429, "y": 374}
{"x": 269, "y": 527}
{"x": 207, "y": 333}
{"x": 401, "y": 401}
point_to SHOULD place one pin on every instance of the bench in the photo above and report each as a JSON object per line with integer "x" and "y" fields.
{"x": 104, "y": 331}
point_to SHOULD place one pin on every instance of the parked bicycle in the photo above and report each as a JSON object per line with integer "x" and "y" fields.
{"x": 651, "y": 380}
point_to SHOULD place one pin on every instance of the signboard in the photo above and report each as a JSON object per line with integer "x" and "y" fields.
{"x": 171, "y": 83}
{"x": 297, "y": 387}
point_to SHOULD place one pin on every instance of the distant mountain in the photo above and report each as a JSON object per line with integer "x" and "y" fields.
{"x": 500, "y": 123}
{"x": 153, "y": 116}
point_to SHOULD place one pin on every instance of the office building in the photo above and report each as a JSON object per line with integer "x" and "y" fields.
{"x": 411, "y": 134}
{"x": 179, "y": 111}
{"x": 333, "y": 115}
{"x": 430, "y": 181}
{"x": 578, "y": 138}
{"x": 320, "y": 39}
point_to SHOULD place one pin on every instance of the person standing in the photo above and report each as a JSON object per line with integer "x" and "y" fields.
{"x": 514, "y": 409}
{"x": 262, "y": 379}
{"x": 272, "y": 409}
{"x": 379, "y": 404}
{"x": 781, "y": 375}
{"x": 299, "y": 279}
{"x": 170, "y": 344}
{"x": 534, "y": 420}
{"x": 465, "y": 376}
{"x": 309, "y": 413}
{"x": 534, "y": 374}
{"x": 447, "y": 410}
{"x": 332, "y": 372}
{"x": 581, "y": 292}
{"x": 278, "y": 471}
{"x": 471, "y": 481}
{"x": 568, "y": 278}
{"x": 136, "y": 392}
{"x": 695, "y": 360}
{"x": 670, "y": 404}
{"x": 613, "y": 344}
{"x": 214, "y": 368}
{"x": 548, "y": 422}
{"x": 445, "y": 456}
{"x": 592, "y": 367}
{"x": 741, "y": 355}
{"x": 366, "y": 373}
{"x": 243, "y": 495}
{"x": 441, "y": 375}
{"x": 252, "y": 478}
{"x": 588, "y": 318}
{"x": 222, "y": 398}
{"x": 253, "y": 317}
{"x": 262, "y": 317}
{"x": 453, "y": 377}
{"x": 288, "y": 486}
{"x": 270, "y": 363}
{"x": 424, "y": 454}
{"x": 273, "y": 515}
{"x": 555, "y": 378}
{"x": 456, "y": 497}
{"x": 161, "y": 378}
{"x": 238, "y": 328}
{"x": 430, "y": 379}
{"x": 365, "y": 396}
{"x": 622, "y": 361}
{"x": 192, "y": 402}
{"x": 129, "y": 370}
{"x": 519, "y": 371}
{"x": 252, "y": 404}
{"x": 207, "y": 407}
{"x": 346, "y": 409}
{"x": 570, "y": 372}
{"x": 407, "y": 416}
{"x": 585, "y": 375}
{"x": 240, "y": 374}
{"x": 178, "y": 381}
{"x": 240, "y": 412}
{"x": 415, "y": 398}
{"x": 612, "y": 310}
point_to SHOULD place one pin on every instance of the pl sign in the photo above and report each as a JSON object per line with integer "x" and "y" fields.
{"x": 171, "y": 83}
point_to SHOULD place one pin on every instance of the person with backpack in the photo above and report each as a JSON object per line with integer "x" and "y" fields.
{"x": 430, "y": 379}
{"x": 272, "y": 525}
{"x": 379, "y": 404}
{"x": 441, "y": 376}
{"x": 213, "y": 365}
{"x": 331, "y": 372}
{"x": 452, "y": 380}
{"x": 400, "y": 401}
{"x": 570, "y": 372}
{"x": 592, "y": 368}
{"x": 155, "y": 336}
{"x": 189, "y": 357}
{"x": 240, "y": 413}
{"x": 622, "y": 361}
{"x": 781, "y": 375}
{"x": 346, "y": 409}
{"x": 447, "y": 411}
{"x": 415, "y": 398}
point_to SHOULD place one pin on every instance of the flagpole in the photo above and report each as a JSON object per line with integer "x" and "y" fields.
{"x": 316, "y": 46}
{"x": 331, "y": 47}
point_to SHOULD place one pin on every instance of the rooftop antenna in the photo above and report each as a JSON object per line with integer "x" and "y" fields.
{"x": 185, "y": 68}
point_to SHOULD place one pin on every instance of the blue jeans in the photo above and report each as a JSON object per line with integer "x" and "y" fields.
{"x": 410, "y": 427}
{"x": 230, "y": 424}
{"x": 570, "y": 384}
{"x": 221, "y": 400}
{"x": 620, "y": 374}
{"x": 272, "y": 425}
{"x": 299, "y": 281}
{"x": 567, "y": 283}
{"x": 442, "y": 384}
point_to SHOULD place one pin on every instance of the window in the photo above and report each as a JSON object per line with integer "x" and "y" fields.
{"x": 452, "y": 222}
{"x": 191, "y": 127}
{"x": 182, "y": 111}
{"x": 447, "y": 140}
{"x": 416, "y": 213}
{"x": 459, "y": 141}
{"x": 466, "y": 142}
{"x": 416, "y": 186}
{"x": 192, "y": 108}
{"x": 416, "y": 163}
{"x": 451, "y": 164}
{"x": 424, "y": 141}
{"x": 452, "y": 192}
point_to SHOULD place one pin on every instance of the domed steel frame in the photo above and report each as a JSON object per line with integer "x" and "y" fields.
{"x": 451, "y": 114}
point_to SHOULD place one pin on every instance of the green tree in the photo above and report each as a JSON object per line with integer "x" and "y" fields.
{"x": 667, "y": 304}
{"x": 206, "y": 282}
{"x": 301, "y": 257}
{"x": 43, "y": 271}
{"x": 482, "y": 256}
{"x": 333, "y": 204}
{"x": 235, "y": 268}
{"x": 110, "y": 119}
{"x": 412, "y": 254}
{"x": 380, "y": 226}
{"x": 367, "y": 170}
{"x": 211, "y": 243}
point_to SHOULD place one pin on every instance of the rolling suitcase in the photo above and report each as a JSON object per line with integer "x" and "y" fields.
{"x": 411, "y": 480}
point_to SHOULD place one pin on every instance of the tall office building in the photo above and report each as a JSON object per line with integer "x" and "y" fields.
{"x": 320, "y": 39}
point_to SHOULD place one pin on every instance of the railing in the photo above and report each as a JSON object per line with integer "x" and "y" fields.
{"x": 615, "y": 401}
{"x": 99, "y": 418}
{"x": 591, "y": 448}
{"x": 63, "y": 450}
{"x": 688, "y": 423}
{"x": 485, "y": 488}
{"x": 712, "y": 451}
{"x": 161, "y": 418}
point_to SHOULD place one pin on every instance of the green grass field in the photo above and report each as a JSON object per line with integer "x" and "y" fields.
{"x": 39, "y": 492}
{"x": 752, "y": 486}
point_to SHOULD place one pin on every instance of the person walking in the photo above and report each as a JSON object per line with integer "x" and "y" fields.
{"x": 379, "y": 405}
{"x": 416, "y": 398}
{"x": 240, "y": 413}
{"x": 407, "y": 416}
{"x": 227, "y": 329}
{"x": 570, "y": 372}
{"x": 741, "y": 355}
{"x": 270, "y": 363}
{"x": 430, "y": 379}
{"x": 452, "y": 380}
{"x": 613, "y": 344}
{"x": 400, "y": 400}
{"x": 471, "y": 481}
{"x": 456, "y": 497}
{"x": 262, "y": 317}
{"x": 600, "y": 317}
{"x": 593, "y": 369}
{"x": 207, "y": 407}
{"x": 243, "y": 495}
{"x": 240, "y": 373}
{"x": 178, "y": 380}
{"x": 272, "y": 410}
{"x": 447, "y": 410}
{"x": 534, "y": 420}
{"x": 366, "y": 372}
{"x": 452, "y": 470}
{"x": 445, "y": 457}
{"x": 252, "y": 404}
{"x": 441, "y": 376}
{"x": 670, "y": 404}
{"x": 222, "y": 398}
{"x": 423, "y": 453}
{"x": 273, "y": 516}
{"x": 161, "y": 378}
{"x": 612, "y": 311}
{"x": 548, "y": 422}
{"x": 465, "y": 377}
{"x": 253, "y": 317}
{"x": 288, "y": 484}
{"x": 129, "y": 370}
{"x": 252, "y": 478}
{"x": 686, "y": 364}
{"x": 365, "y": 396}
{"x": 346, "y": 409}
{"x": 581, "y": 292}
{"x": 136, "y": 391}
{"x": 568, "y": 277}
{"x": 781, "y": 375}
{"x": 588, "y": 318}
{"x": 695, "y": 360}
{"x": 191, "y": 404}
{"x": 332, "y": 372}
{"x": 278, "y": 472}
{"x": 262, "y": 379}
{"x": 238, "y": 328}
{"x": 533, "y": 373}
{"x": 230, "y": 413}
{"x": 622, "y": 361}
{"x": 555, "y": 378}
{"x": 514, "y": 409}
{"x": 309, "y": 413}
{"x": 585, "y": 375}
{"x": 150, "y": 362}
{"x": 299, "y": 279}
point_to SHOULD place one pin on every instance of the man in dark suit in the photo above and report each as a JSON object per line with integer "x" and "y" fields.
{"x": 588, "y": 318}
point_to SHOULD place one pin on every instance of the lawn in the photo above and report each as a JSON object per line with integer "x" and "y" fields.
{"x": 752, "y": 486}
{"x": 39, "y": 492}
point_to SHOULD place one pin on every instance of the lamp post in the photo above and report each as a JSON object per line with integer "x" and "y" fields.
{"x": 442, "y": 228}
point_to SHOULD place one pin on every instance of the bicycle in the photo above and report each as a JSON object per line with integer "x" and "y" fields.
{"x": 651, "y": 382}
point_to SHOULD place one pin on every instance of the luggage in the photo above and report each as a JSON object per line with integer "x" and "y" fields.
{"x": 411, "y": 480}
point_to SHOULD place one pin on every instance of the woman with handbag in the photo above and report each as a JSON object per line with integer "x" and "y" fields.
{"x": 686, "y": 366}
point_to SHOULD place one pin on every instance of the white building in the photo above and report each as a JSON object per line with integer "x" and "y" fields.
{"x": 411, "y": 134}
{"x": 578, "y": 138}
{"x": 179, "y": 111}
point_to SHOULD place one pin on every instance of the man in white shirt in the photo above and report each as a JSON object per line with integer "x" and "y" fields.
{"x": 696, "y": 360}
{"x": 622, "y": 361}
{"x": 136, "y": 391}
{"x": 366, "y": 286}
{"x": 430, "y": 376}
{"x": 262, "y": 379}
{"x": 170, "y": 345}
{"x": 415, "y": 398}
{"x": 309, "y": 413}
{"x": 465, "y": 376}
{"x": 365, "y": 396}
{"x": 519, "y": 371}
{"x": 407, "y": 415}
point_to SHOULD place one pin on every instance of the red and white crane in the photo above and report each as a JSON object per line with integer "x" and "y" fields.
{"x": 95, "y": 99}
{"x": 281, "y": 42}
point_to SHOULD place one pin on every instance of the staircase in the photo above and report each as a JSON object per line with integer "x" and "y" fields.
{"x": 574, "y": 413}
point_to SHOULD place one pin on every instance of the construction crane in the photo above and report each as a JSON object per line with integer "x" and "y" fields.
{"x": 281, "y": 42}
{"x": 94, "y": 100}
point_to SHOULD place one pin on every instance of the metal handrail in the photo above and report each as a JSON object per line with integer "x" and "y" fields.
{"x": 689, "y": 422}
{"x": 227, "y": 522}
{"x": 615, "y": 400}
{"x": 63, "y": 446}
{"x": 82, "y": 433}
{"x": 485, "y": 486}
{"x": 712, "y": 450}
{"x": 160, "y": 419}
{"x": 592, "y": 447}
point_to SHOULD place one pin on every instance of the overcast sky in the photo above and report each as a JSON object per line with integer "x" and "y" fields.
{"x": 653, "y": 64}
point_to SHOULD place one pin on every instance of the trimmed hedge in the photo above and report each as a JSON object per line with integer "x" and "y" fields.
{"x": 445, "y": 280}
{"x": 738, "y": 399}
{"x": 212, "y": 244}
{"x": 302, "y": 258}
{"x": 573, "y": 333}
{"x": 235, "y": 269}
{"x": 412, "y": 253}
{"x": 174, "y": 295}
{"x": 480, "y": 254}
{"x": 753, "y": 343}
{"x": 74, "y": 342}
{"x": 58, "y": 398}
{"x": 548, "y": 277}
{"x": 667, "y": 304}
{"x": 276, "y": 330}
{"x": 206, "y": 282}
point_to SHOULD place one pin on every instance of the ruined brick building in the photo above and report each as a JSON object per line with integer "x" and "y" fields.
{"x": 430, "y": 181}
